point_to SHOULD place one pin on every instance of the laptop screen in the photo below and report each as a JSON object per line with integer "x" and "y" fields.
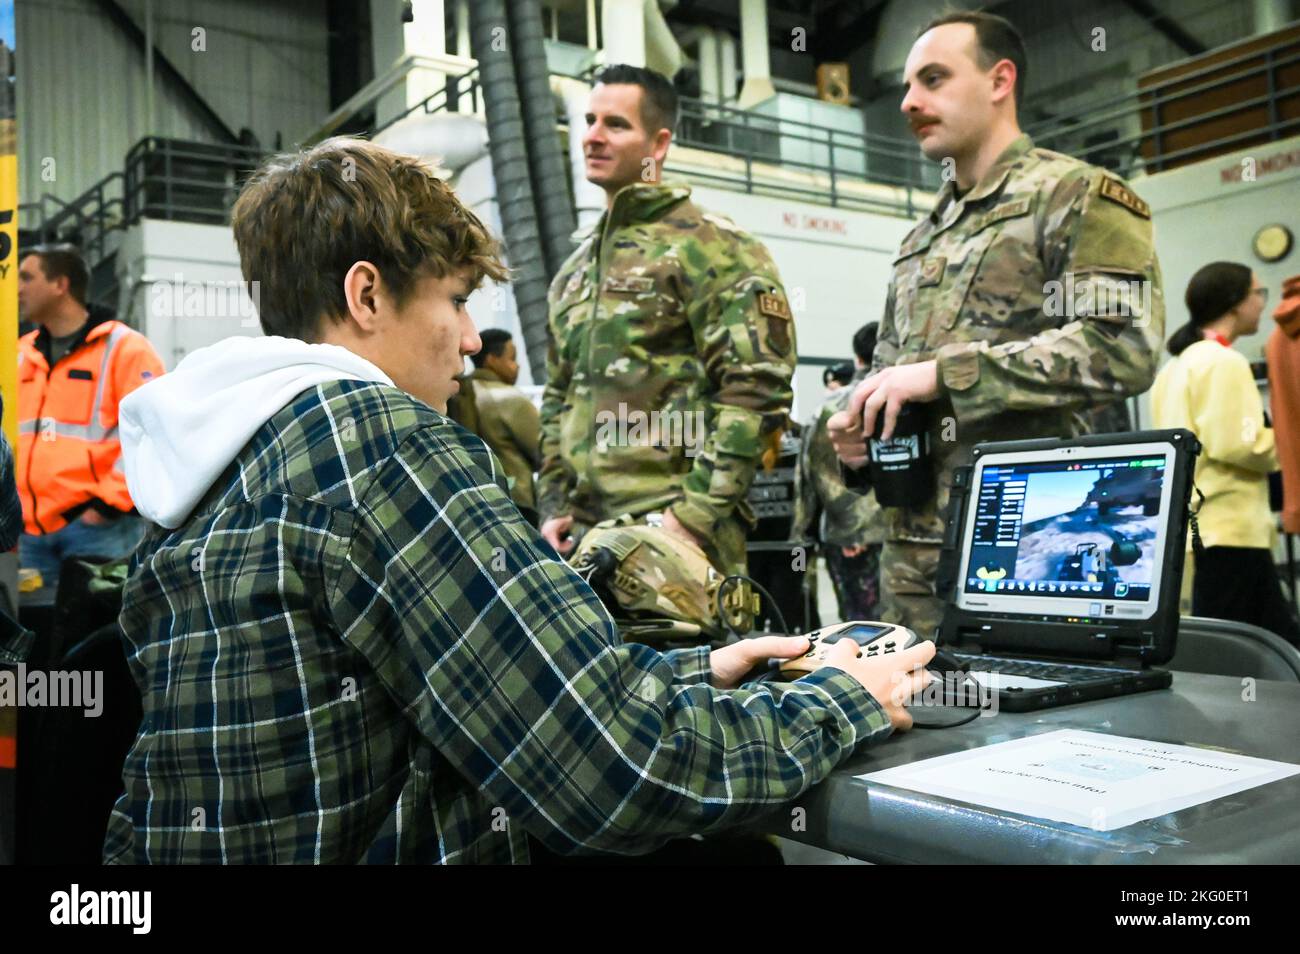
{"x": 1077, "y": 531}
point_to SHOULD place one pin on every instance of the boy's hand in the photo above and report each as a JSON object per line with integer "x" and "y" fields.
{"x": 730, "y": 663}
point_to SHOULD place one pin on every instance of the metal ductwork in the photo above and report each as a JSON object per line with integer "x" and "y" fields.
{"x": 549, "y": 174}
{"x": 636, "y": 33}
{"x": 662, "y": 52}
{"x": 492, "y": 39}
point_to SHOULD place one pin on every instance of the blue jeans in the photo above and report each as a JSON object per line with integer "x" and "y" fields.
{"x": 46, "y": 552}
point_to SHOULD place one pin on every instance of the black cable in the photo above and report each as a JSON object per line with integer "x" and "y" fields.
{"x": 722, "y": 615}
{"x": 979, "y": 710}
{"x": 1198, "y": 548}
{"x": 948, "y": 725}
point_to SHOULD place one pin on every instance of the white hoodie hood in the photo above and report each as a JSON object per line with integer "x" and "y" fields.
{"x": 181, "y": 430}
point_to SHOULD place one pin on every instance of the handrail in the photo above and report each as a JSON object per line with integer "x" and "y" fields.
{"x": 450, "y": 95}
{"x": 120, "y": 199}
{"x": 905, "y": 150}
{"x": 1152, "y": 103}
{"x": 747, "y": 114}
{"x": 1155, "y": 131}
{"x": 383, "y": 84}
{"x": 1155, "y": 87}
{"x": 757, "y": 137}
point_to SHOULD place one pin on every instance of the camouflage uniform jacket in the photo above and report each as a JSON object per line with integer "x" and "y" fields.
{"x": 671, "y": 352}
{"x": 1038, "y": 294}
{"x": 507, "y": 422}
{"x": 848, "y": 517}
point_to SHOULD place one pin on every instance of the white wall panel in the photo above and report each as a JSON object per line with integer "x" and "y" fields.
{"x": 81, "y": 80}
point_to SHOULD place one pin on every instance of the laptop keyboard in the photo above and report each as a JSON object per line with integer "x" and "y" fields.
{"x": 1039, "y": 670}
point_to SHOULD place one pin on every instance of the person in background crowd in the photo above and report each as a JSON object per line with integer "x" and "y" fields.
{"x": 1209, "y": 389}
{"x": 11, "y": 508}
{"x": 462, "y": 407}
{"x": 852, "y": 529}
{"x": 1109, "y": 419}
{"x": 1283, "y": 353}
{"x": 13, "y": 646}
{"x": 838, "y": 376}
{"x": 508, "y": 422}
{"x": 73, "y": 371}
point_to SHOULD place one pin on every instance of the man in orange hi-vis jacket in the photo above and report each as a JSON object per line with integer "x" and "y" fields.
{"x": 72, "y": 372}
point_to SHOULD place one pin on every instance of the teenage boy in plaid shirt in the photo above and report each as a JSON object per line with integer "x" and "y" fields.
{"x": 350, "y": 645}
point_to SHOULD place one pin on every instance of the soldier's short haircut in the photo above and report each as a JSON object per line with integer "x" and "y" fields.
{"x": 864, "y": 342}
{"x": 494, "y": 342}
{"x": 64, "y": 260}
{"x": 304, "y": 218}
{"x": 658, "y": 98}
{"x": 995, "y": 38}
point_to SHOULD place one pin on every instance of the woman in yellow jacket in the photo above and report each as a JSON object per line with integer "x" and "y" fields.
{"x": 1209, "y": 389}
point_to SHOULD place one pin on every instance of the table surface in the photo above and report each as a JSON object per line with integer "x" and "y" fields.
{"x": 884, "y": 824}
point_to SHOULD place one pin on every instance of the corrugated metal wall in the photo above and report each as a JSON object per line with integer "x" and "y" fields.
{"x": 266, "y": 63}
{"x": 80, "y": 93}
{"x": 81, "y": 80}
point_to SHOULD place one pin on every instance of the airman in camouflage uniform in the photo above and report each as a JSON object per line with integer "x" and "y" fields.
{"x": 671, "y": 352}
{"x": 1039, "y": 295}
{"x": 849, "y": 518}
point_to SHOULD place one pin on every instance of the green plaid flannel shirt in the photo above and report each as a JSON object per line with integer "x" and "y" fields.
{"x": 356, "y": 650}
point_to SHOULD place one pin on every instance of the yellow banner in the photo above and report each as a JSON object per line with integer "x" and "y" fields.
{"x": 8, "y": 369}
{"x": 9, "y": 279}
{"x": 9, "y": 379}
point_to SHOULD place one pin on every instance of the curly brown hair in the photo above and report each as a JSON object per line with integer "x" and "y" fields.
{"x": 304, "y": 218}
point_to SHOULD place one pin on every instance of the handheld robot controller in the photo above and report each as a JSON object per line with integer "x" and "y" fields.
{"x": 873, "y": 638}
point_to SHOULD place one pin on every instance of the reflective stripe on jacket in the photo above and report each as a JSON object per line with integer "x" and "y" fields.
{"x": 69, "y": 455}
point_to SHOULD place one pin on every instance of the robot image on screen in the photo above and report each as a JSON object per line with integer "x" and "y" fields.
{"x": 1077, "y": 529}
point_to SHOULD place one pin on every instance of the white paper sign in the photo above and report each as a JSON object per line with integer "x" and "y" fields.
{"x": 1089, "y": 779}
